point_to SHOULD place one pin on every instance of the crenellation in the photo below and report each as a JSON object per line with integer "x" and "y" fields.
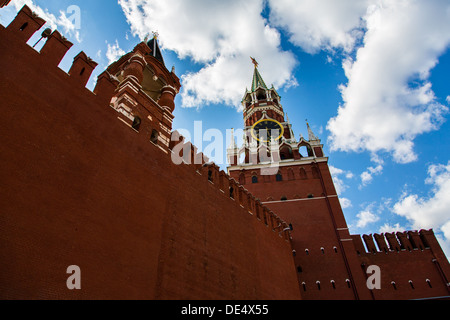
{"x": 25, "y": 24}
{"x": 415, "y": 240}
{"x": 105, "y": 87}
{"x": 82, "y": 68}
{"x": 408, "y": 241}
{"x": 125, "y": 87}
{"x": 381, "y": 243}
{"x": 392, "y": 241}
{"x": 55, "y": 48}
{"x": 405, "y": 244}
{"x": 370, "y": 244}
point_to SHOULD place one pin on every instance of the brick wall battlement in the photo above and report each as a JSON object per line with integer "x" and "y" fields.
{"x": 394, "y": 242}
{"x": 27, "y": 23}
{"x": 84, "y": 183}
{"x": 227, "y": 185}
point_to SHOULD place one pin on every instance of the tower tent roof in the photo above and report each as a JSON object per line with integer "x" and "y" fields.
{"x": 156, "y": 52}
{"x": 257, "y": 78}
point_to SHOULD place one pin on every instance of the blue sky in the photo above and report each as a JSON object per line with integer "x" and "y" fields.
{"x": 371, "y": 77}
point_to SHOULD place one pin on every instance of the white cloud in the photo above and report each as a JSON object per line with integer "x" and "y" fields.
{"x": 430, "y": 212}
{"x": 339, "y": 183}
{"x": 114, "y": 52}
{"x": 69, "y": 26}
{"x": 367, "y": 176}
{"x": 317, "y": 25}
{"x": 383, "y": 109}
{"x": 366, "y": 217}
{"x": 222, "y": 38}
{"x": 387, "y": 228}
{"x": 345, "y": 203}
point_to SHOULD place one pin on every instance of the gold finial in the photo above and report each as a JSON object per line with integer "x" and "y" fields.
{"x": 155, "y": 35}
{"x": 254, "y": 62}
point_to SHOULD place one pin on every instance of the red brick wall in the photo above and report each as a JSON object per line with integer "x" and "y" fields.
{"x": 79, "y": 187}
{"x": 320, "y": 223}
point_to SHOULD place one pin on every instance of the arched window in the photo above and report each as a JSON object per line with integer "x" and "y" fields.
{"x": 136, "y": 123}
{"x": 210, "y": 178}
{"x": 316, "y": 173}
{"x": 242, "y": 178}
{"x": 304, "y": 286}
{"x": 154, "y": 137}
{"x": 261, "y": 95}
{"x": 286, "y": 153}
{"x": 284, "y": 198}
{"x": 411, "y": 284}
{"x": 303, "y": 175}
{"x": 429, "y": 283}
{"x": 231, "y": 192}
{"x": 291, "y": 175}
{"x": 254, "y": 179}
{"x": 318, "y": 284}
{"x": 333, "y": 284}
{"x": 279, "y": 177}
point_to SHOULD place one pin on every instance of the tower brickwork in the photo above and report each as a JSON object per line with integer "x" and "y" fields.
{"x": 293, "y": 179}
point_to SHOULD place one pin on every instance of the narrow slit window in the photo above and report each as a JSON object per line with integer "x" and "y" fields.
{"x": 24, "y": 26}
{"x": 210, "y": 175}
{"x": 349, "y": 284}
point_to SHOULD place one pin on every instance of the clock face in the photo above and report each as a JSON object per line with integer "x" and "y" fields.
{"x": 266, "y": 130}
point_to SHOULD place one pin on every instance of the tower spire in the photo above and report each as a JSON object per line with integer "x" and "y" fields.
{"x": 257, "y": 78}
{"x": 156, "y": 51}
{"x": 311, "y": 135}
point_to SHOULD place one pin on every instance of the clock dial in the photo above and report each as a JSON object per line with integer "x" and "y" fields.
{"x": 266, "y": 130}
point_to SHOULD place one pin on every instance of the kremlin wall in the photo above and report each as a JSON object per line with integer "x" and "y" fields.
{"x": 88, "y": 179}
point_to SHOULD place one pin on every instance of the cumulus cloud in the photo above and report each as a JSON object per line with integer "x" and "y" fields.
{"x": 367, "y": 176}
{"x": 114, "y": 52}
{"x": 387, "y": 228}
{"x": 337, "y": 175}
{"x": 388, "y": 100}
{"x": 320, "y": 25}
{"x": 220, "y": 36}
{"x": 365, "y": 218}
{"x": 430, "y": 212}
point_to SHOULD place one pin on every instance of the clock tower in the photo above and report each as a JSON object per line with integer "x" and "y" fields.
{"x": 292, "y": 178}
